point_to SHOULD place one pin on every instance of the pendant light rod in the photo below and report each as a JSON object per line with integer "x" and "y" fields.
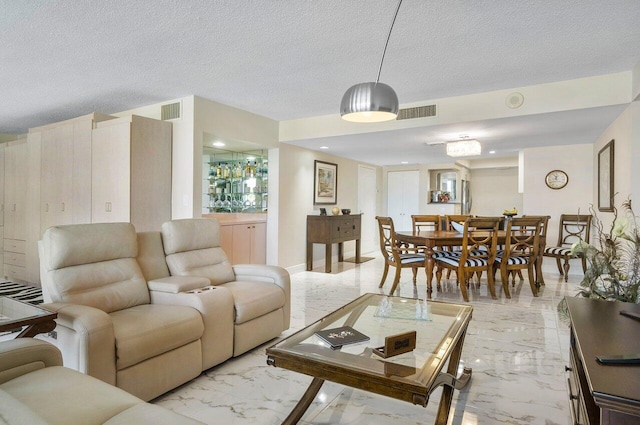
{"x": 388, "y": 37}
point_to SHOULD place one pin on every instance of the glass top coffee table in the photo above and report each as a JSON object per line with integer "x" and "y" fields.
{"x": 17, "y": 314}
{"x": 411, "y": 376}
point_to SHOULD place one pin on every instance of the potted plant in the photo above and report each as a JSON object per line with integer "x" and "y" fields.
{"x": 613, "y": 271}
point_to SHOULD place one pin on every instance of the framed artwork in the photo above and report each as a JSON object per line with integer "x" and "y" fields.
{"x": 325, "y": 182}
{"x": 605, "y": 177}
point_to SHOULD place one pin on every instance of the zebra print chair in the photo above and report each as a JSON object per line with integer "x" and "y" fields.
{"x": 573, "y": 228}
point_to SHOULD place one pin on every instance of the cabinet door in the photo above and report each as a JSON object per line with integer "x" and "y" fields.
{"x": 1, "y": 188}
{"x": 56, "y": 189}
{"x": 15, "y": 190}
{"x": 111, "y": 174}
{"x": 259, "y": 243}
{"x": 242, "y": 238}
{"x": 226, "y": 241}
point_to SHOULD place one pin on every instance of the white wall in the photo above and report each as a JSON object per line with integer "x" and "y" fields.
{"x": 493, "y": 190}
{"x": 626, "y": 155}
{"x": 296, "y": 201}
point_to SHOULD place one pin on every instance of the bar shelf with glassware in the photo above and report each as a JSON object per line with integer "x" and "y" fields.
{"x": 235, "y": 182}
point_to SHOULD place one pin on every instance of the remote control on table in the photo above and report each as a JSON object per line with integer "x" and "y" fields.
{"x": 623, "y": 359}
{"x": 630, "y": 314}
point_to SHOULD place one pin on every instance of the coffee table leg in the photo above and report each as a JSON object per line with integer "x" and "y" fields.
{"x": 304, "y": 403}
{"x": 456, "y": 383}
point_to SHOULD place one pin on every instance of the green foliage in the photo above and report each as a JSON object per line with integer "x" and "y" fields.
{"x": 613, "y": 271}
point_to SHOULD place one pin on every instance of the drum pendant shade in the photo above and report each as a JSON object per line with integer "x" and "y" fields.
{"x": 369, "y": 102}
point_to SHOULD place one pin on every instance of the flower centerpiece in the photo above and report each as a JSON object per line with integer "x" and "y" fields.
{"x": 613, "y": 271}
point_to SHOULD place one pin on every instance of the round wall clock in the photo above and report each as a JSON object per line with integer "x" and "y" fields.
{"x": 556, "y": 179}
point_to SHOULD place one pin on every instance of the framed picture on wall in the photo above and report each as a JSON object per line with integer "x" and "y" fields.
{"x": 605, "y": 177}
{"x": 325, "y": 183}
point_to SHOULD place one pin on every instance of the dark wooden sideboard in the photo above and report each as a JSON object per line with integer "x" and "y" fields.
{"x": 603, "y": 394}
{"x": 330, "y": 229}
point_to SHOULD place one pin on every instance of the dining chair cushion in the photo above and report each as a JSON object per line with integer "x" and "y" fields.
{"x": 513, "y": 260}
{"x": 440, "y": 254}
{"x": 558, "y": 250}
{"x": 471, "y": 262}
{"x": 410, "y": 258}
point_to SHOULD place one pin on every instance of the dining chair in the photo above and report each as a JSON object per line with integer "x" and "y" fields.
{"x": 477, "y": 253}
{"x": 425, "y": 223}
{"x": 396, "y": 256}
{"x": 544, "y": 223}
{"x": 573, "y": 228}
{"x": 521, "y": 246}
{"x": 454, "y": 222}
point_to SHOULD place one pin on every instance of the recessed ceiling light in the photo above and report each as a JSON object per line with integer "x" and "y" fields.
{"x": 218, "y": 144}
{"x": 492, "y": 152}
{"x": 404, "y": 162}
{"x": 324, "y": 147}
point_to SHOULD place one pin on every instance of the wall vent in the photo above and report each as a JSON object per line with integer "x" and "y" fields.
{"x": 170, "y": 111}
{"x": 417, "y": 112}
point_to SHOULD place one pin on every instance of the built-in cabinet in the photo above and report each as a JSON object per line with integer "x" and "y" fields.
{"x": 15, "y": 208}
{"x": 131, "y": 166}
{"x": 244, "y": 243}
{"x": 82, "y": 170}
{"x": 243, "y": 237}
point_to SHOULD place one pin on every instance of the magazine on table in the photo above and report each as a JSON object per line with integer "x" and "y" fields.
{"x": 337, "y": 337}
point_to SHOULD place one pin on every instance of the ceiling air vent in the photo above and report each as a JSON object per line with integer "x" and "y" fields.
{"x": 417, "y": 112}
{"x": 170, "y": 111}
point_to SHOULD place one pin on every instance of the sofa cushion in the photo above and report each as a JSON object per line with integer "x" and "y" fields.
{"x": 211, "y": 263}
{"x": 255, "y": 299}
{"x": 149, "y": 330}
{"x": 192, "y": 248}
{"x": 151, "y": 255}
{"x": 190, "y": 234}
{"x": 14, "y": 412}
{"x": 88, "y": 243}
{"x": 108, "y": 285}
{"x": 64, "y": 396}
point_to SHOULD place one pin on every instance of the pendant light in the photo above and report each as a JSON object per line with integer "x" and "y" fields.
{"x": 373, "y": 101}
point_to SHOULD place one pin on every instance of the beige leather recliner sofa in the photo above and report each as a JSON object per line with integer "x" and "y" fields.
{"x": 148, "y": 312}
{"x": 35, "y": 389}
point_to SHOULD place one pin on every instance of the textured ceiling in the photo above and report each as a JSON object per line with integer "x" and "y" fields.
{"x": 288, "y": 59}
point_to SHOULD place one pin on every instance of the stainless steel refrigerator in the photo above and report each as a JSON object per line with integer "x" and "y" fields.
{"x": 465, "y": 196}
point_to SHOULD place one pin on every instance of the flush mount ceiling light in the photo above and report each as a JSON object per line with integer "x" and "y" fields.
{"x": 374, "y": 101}
{"x": 465, "y": 147}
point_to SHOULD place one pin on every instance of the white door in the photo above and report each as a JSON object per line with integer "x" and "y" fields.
{"x": 367, "y": 196}
{"x": 402, "y": 197}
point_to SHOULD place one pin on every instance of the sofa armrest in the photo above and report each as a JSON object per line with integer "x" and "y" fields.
{"x": 215, "y": 305}
{"x": 261, "y": 272}
{"x": 23, "y": 355}
{"x": 177, "y": 284}
{"x": 270, "y": 274}
{"x": 86, "y": 339}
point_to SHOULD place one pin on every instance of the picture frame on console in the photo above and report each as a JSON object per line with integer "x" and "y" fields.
{"x": 325, "y": 183}
{"x": 605, "y": 177}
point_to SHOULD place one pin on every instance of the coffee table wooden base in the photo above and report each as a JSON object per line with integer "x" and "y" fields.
{"x": 448, "y": 381}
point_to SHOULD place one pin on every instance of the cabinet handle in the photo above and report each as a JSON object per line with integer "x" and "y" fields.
{"x": 62, "y": 207}
{"x": 354, "y": 227}
{"x": 46, "y": 207}
{"x": 338, "y": 228}
{"x": 568, "y": 369}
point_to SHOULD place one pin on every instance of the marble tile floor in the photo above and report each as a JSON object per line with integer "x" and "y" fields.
{"x": 517, "y": 348}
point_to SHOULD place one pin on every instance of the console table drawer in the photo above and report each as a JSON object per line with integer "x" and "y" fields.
{"x": 342, "y": 229}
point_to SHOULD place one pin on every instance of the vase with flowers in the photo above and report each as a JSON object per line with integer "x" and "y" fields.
{"x": 613, "y": 271}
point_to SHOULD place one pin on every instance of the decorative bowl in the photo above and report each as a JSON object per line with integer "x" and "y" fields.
{"x": 346, "y": 211}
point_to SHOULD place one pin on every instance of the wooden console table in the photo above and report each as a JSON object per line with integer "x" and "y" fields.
{"x": 603, "y": 394}
{"x": 330, "y": 229}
